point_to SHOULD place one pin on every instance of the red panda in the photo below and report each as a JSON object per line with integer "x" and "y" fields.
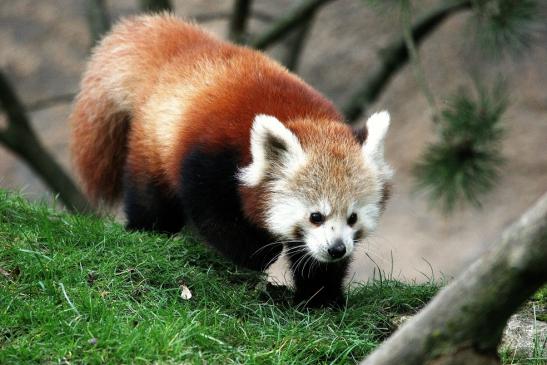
{"x": 191, "y": 129}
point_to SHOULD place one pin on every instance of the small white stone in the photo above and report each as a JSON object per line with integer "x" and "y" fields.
{"x": 185, "y": 293}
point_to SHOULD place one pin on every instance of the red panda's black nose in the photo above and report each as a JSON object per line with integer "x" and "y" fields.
{"x": 337, "y": 250}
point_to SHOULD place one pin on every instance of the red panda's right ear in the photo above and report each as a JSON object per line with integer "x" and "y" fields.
{"x": 373, "y": 146}
{"x": 360, "y": 134}
{"x": 272, "y": 145}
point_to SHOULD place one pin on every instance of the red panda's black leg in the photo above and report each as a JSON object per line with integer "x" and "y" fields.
{"x": 211, "y": 199}
{"x": 318, "y": 284}
{"x": 149, "y": 208}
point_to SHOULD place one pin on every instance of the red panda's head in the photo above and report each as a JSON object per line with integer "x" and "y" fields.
{"x": 321, "y": 185}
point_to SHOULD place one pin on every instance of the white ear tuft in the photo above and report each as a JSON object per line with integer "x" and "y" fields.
{"x": 373, "y": 148}
{"x": 377, "y": 126}
{"x": 271, "y": 144}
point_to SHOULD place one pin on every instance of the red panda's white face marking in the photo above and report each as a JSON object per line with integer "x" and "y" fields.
{"x": 323, "y": 187}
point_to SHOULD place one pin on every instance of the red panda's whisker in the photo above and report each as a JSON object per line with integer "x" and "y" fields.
{"x": 307, "y": 259}
{"x": 273, "y": 244}
{"x": 278, "y": 242}
{"x": 310, "y": 263}
{"x": 264, "y": 247}
{"x": 298, "y": 263}
{"x": 295, "y": 248}
{"x": 273, "y": 259}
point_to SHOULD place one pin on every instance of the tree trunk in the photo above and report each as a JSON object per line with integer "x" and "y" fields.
{"x": 463, "y": 324}
{"x": 20, "y": 138}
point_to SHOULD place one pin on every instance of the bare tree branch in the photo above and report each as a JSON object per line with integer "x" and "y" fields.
{"x": 393, "y": 58}
{"x": 20, "y": 138}
{"x": 207, "y": 17}
{"x": 49, "y": 102}
{"x": 463, "y": 324}
{"x": 415, "y": 59}
{"x": 287, "y": 23}
{"x": 98, "y": 19}
{"x": 239, "y": 19}
{"x": 155, "y": 5}
{"x": 295, "y": 43}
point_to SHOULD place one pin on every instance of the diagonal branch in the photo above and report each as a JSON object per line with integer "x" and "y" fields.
{"x": 287, "y": 23}
{"x": 51, "y": 101}
{"x": 295, "y": 43}
{"x": 415, "y": 59}
{"x": 463, "y": 324}
{"x": 98, "y": 19}
{"x": 393, "y": 58}
{"x": 239, "y": 19}
{"x": 20, "y": 138}
{"x": 210, "y": 16}
{"x": 156, "y": 5}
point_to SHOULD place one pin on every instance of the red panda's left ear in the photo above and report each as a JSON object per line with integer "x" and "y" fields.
{"x": 272, "y": 146}
{"x": 373, "y": 146}
{"x": 360, "y": 135}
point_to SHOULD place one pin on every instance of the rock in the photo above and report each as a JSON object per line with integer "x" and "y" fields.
{"x": 522, "y": 333}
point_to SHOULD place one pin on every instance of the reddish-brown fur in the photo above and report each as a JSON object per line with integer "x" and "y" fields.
{"x": 159, "y": 95}
{"x": 178, "y": 85}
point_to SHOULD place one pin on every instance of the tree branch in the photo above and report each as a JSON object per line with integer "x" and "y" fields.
{"x": 51, "y": 101}
{"x": 155, "y": 5}
{"x": 393, "y": 58}
{"x": 463, "y": 324}
{"x": 238, "y": 20}
{"x": 98, "y": 19}
{"x": 288, "y": 22}
{"x": 415, "y": 59}
{"x": 207, "y": 17}
{"x": 295, "y": 43}
{"x": 20, "y": 138}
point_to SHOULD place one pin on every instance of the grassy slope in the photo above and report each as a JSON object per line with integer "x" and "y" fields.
{"x": 85, "y": 290}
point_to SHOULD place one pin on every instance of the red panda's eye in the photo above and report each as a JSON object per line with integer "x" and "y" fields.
{"x": 317, "y": 218}
{"x": 352, "y": 219}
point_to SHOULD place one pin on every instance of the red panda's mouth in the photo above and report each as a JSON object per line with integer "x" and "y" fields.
{"x": 325, "y": 258}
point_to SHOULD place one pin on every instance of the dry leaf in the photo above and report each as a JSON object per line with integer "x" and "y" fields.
{"x": 91, "y": 278}
{"x": 5, "y": 273}
{"x": 11, "y": 275}
{"x": 185, "y": 293}
{"x": 103, "y": 293}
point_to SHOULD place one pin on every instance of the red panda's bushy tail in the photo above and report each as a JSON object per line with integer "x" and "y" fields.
{"x": 100, "y": 120}
{"x": 99, "y": 146}
{"x": 123, "y": 66}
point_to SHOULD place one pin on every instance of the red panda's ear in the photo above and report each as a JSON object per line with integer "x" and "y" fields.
{"x": 360, "y": 135}
{"x": 272, "y": 145}
{"x": 373, "y": 147}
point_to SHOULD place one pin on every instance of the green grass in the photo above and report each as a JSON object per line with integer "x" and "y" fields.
{"x": 83, "y": 290}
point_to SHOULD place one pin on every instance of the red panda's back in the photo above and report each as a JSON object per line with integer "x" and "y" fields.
{"x": 184, "y": 86}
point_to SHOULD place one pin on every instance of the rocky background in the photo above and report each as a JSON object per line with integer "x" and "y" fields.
{"x": 44, "y": 45}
